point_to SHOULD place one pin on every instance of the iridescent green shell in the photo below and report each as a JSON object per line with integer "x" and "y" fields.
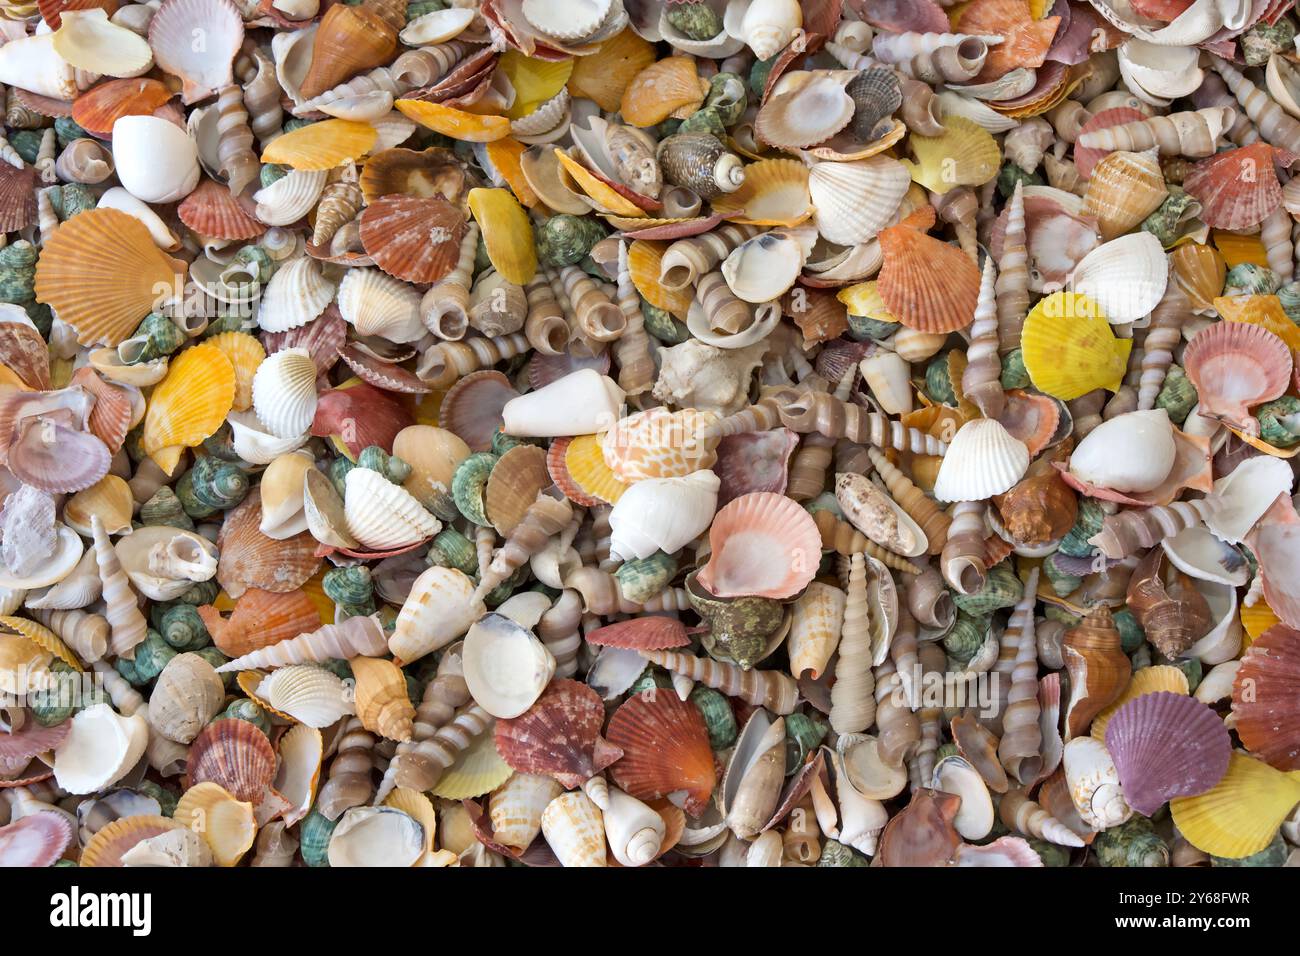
{"x": 1050, "y": 853}
{"x": 704, "y": 120}
{"x": 1132, "y": 844}
{"x": 161, "y": 337}
{"x": 70, "y": 199}
{"x": 27, "y": 143}
{"x": 67, "y": 129}
{"x": 695, "y": 21}
{"x": 255, "y": 261}
{"x": 563, "y": 240}
{"x": 727, "y": 96}
{"x": 451, "y": 549}
{"x": 938, "y": 384}
{"x": 469, "y": 484}
{"x": 1279, "y": 421}
{"x": 418, "y": 8}
{"x": 167, "y": 799}
{"x": 1164, "y": 223}
{"x": 835, "y": 853}
{"x": 221, "y": 444}
{"x": 1010, "y": 175}
{"x": 1247, "y": 278}
{"x": 719, "y": 719}
{"x": 355, "y": 585}
{"x": 1131, "y": 634}
{"x": 216, "y": 484}
{"x": 339, "y": 469}
{"x": 1275, "y": 854}
{"x": 390, "y": 466}
{"x": 864, "y": 328}
{"x": 56, "y": 704}
{"x": 1013, "y": 370}
{"x": 1086, "y": 524}
{"x": 739, "y": 628}
{"x": 164, "y": 508}
{"x": 250, "y": 711}
{"x": 1062, "y": 582}
{"x": 506, "y": 588}
{"x": 296, "y": 123}
{"x": 1289, "y": 296}
{"x": 1264, "y": 39}
{"x": 1191, "y": 667}
{"x": 641, "y": 579}
{"x": 502, "y": 443}
{"x": 803, "y": 735}
{"x": 182, "y": 628}
{"x": 966, "y": 637}
{"x": 1177, "y": 395}
{"x": 663, "y": 325}
{"x": 1001, "y": 589}
{"x": 18, "y": 272}
{"x": 42, "y": 317}
{"x": 127, "y": 669}
{"x": 200, "y": 593}
{"x": 652, "y": 678}
{"x": 213, "y": 656}
{"x": 314, "y": 838}
{"x": 758, "y": 74}
{"x": 945, "y": 750}
{"x": 152, "y": 655}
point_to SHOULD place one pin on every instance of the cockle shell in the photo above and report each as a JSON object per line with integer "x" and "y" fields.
{"x": 100, "y": 748}
{"x": 307, "y": 693}
{"x": 983, "y": 460}
{"x": 506, "y": 666}
{"x": 384, "y": 516}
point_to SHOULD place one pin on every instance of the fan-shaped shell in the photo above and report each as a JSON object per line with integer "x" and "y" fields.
{"x": 761, "y": 545}
{"x": 1264, "y": 696}
{"x": 235, "y": 755}
{"x": 384, "y": 516}
{"x": 1240, "y": 815}
{"x": 665, "y": 748}
{"x": 559, "y": 735}
{"x": 284, "y": 392}
{"x": 249, "y": 559}
{"x": 1234, "y": 367}
{"x": 963, "y": 155}
{"x": 35, "y": 840}
{"x": 322, "y": 146}
{"x": 1069, "y": 348}
{"x": 374, "y": 303}
{"x": 1126, "y": 277}
{"x": 1237, "y": 188}
{"x": 211, "y": 210}
{"x": 413, "y": 238}
{"x": 926, "y": 284}
{"x": 983, "y": 460}
{"x": 203, "y": 67}
{"x": 189, "y": 404}
{"x": 854, "y": 201}
{"x": 805, "y": 109}
{"x": 307, "y": 693}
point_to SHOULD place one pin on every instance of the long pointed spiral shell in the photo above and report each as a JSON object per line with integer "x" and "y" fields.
{"x": 853, "y": 706}
{"x": 602, "y": 595}
{"x": 1022, "y": 739}
{"x": 1129, "y": 531}
{"x": 827, "y": 415}
{"x": 261, "y": 95}
{"x": 544, "y": 519}
{"x": 636, "y": 366}
{"x": 1028, "y": 818}
{"x": 922, "y": 509}
{"x": 1275, "y": 234}
{"x": 444, "y": 310}
{"x": 349, "y": 783}
{"x": 1012, "y": 286}
{"x": 1192, "y": 134}
{"x": 899, "y": 727}
{"x": 545, "y": 327}
{"x": 687, "y": 259}
{"x": 443, "y": 696}
{"x": 355, "y": 637}
{"x": 958, "y": 206}
{"x": 1273, "y": 124}
{"x": 558, "y": 630}
{"x": 982, "y": 380}
{"x": 771, "y": 689}
{"x": 422, "y": 765}
{"x": 121, "y": 607}
{"x": 1162, "y": 338}
{"x": 126, "y": 700}
{"x": 446, "y": 363}
{"x": 844, "y": 539}
{"x": 762, "y": 416}
{"x": 235, "y": 141}
{"x": 962, "y": 562}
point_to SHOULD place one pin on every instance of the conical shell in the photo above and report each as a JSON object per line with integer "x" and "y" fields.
{"x": 381, "y": 699}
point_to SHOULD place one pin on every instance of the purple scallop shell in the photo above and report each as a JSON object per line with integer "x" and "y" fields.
{"x": 754, "y": 461}
{"x": 471, "y": 409}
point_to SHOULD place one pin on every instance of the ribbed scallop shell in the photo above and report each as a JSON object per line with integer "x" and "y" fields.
{"x": 1164, "y": 746}
{"x": 212, "y": 211}
{"x": 661, "y": 90}
{"x": 665, "y": 748}
{"x": 284, "y": 392}
{"x": 412, "y": 237}
{"x": 774, "y": 193}
{"x": 246, "y": 355}
{"x": 115, "y": 838}
{"x": 1069, "y": 348}
{"x": 384, "y": 516}
{"x": 926, "y": 284}
{"x": 227, "y": 824}
{"x": 761, "y": 545}
{"x": 1237, "y": 188}
{"x": 559, "y": 735}
{"x": 1240, "y": 815}
{"x": 1265, "y": 694}
{"x": 1126, "y": 277}
{"x": 964, "y": 155}
{"x": 35, "y": 840}
{"x": 307, "y": 693}
{"x": 322, "y": 146}
{"x": 1125, "y": 188}
{"x": 235, "y": 755}
{"x": 651, "y": 633}
{"x": 203, "y": 67}
{"x": 854, "y": 201}
{"x": 249, "y": 559}
{"x": 189, "y": 404}
{"x": 374, "y": 303}
{"x": 99, "y": 107}
{"x": 1234, "y": 367}
{"x": 983, "y": 460}
{"x": 297, "y": 293}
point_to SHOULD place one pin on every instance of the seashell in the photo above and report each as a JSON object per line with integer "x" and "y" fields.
{"x": 310, "y": 642}
{"x": 121, "y": 607}
{"x": 1191, "y": 134}
{"x": 1168, "y": 606}
{"x": 307, "y": 693}
{"x": 187, "y": 695}
{"x": 662, "y": 514}
{"x": 381, "y": 701}
{"x": 924, "y": 283}
{"x": 506, "y": 666}
{"x": 33, "y": 64}
{"x": 962, "y": 155}
{"x": 922, "y": 834}
{"x": 376, "y": 836}
{"x": 297, "y": 293}
{"x": 206, "y": 68}
{"x": 110, "y": 498}
{"x": 96, "y": 109}
{"x": 377, "y": 304}
{"x": 384, "y": 516}
{"x": 804, "y": 110}
{"x": 246, "y": 356}
{"x": 763, "y": 521}
{"x": 439, "y": 609}
{"x": 1259, "y": 697}
{"x": 983, "y": 460}
{"x": 1125, "y": 277}
{"x": 815, "y": 626}
{"x": 1237, "y": 189}
{"x": 1094, "y": 784}
{"x": 1069, "y": 359}
{"x": 412, "y": 238}
{"x": 234, "y": 755}
{"x": 321, "y": 146}
{"x": 1191, "y": 757}
{"x": 1124, "y": 189}
{"x": 878, "y": 516}
{"x": 289, "y": 198}
{"x": 854, "y": 201}
{"x": 284, "y": 392}
{"x": 249, "y": 559}
{"x": 1240, "y": 814}
{"x": 1109, "y": 456}
{"x": 660, "y": 90}
{"x": 574, "y": 830}
{"x": 346, "y": 43}
{"x": 636, "y": 833}
{"x": 516, "y": 807}
{"x": 100, "y": 748}
{"x": 665, "y": 749}
{"x": 112, "y": 842}
{"x": 37, "y": 839}
{"x": 1235, "y": 367}
{"x": 559, "y": 734}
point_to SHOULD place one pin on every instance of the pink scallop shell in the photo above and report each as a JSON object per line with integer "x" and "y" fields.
{"x": 754, "y": 461}
{"x": 471, "y": 409}
{"x": 653, "y": 633}
{"x": 36, "y": 840}
{"x": 763, "y": 545}
{"x": 1234, "y": 367}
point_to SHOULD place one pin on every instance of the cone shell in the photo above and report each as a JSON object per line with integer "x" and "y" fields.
{"x": 665, "y": 748}
{"x": 412, "y": 238}
{"x": 1069, "y": 348}
{"x": 1164, "y": 746}
{"x": 1237, "y": 188}
{"x": 203, "y": 68}
{"x": 1235, "y": 367}
{"x": 661, "y": 90}
{"x": 506, "y": 232}
{"x": 322, "y": 146}
{"x": 1124, "y": 189}
{"x": 926, "y": 284}
{"x": 102, "y": 273}
{"x": 559, "y": 735}
{"x": 457, "y": 124}
{"x": 236, "y": 756}
{"x": 249, "y": 559}
{"x": 226, "y": 823}
{"x": 188, "y": 405}
{"x": 761, "y": 545}
{"x": 349, "y": 40}
{"x": 1264, "y": 697}
{"x": 1240, "y": 815}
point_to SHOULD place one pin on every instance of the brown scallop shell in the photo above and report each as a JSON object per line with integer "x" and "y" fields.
{"x": 249, "y": 559}
{"x": 17, "y": 197}
{"x": 471, "y": 409}
{"x": 234, "y": 754}
{"x": 559, "y": 735}
{"x": 260, "y": 619}
{"x": 651, "y": 633}
{"x": 665, "y": 748}
{"x": 513, "y": 485}
{"x": 922, "y": 833}
{"x": 388, "y": 376}
{"x": 211, "y": 210}
{"x": 414, "y": 239}
{"x": 51, "y": 10}
{"x": 409, "y": 172}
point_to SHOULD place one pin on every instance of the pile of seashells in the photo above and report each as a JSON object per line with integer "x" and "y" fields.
{"x": 649, "y": 432}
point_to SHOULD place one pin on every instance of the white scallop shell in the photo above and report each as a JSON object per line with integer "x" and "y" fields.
{"x": 662, "y": 514}
{"x": 566, "y": 19}
{"x": 100, "y": 748}
{"x": 376, "y": 836}
{"x": 156, "y": 160}
{"x": 384, "y": 516}
{"x": 854, "y": 201}
{"x": 297, "y": 293}
{"x": 1133, "y": 452}
{"x": 506, "y": 666}
{"x": 375, "y": 303}
{"x": 983, "y": 459}
{"x": 1158, "y": 74}
{"x": 284, "y": 392}
{"x": 307, "y": 693}
{"x": 1126, "y": 277}
{"x": 197, "y": 41}
{"x": 290, "y": 197}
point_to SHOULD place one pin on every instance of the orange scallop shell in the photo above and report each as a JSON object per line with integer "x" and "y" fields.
{"x": 665, "y": 749}
{"x": 249, "y": 559}
{"x": 260, "y": 619}
{"x": 234, "y": 754}
{"x": 101, "y": 106}
{"x": 212, "y": 210}
{"x": 926, "y": 284}
{"x": 1237, "y": 188}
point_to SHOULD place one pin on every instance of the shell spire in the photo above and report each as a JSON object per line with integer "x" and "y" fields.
{"x": 1193, "y": 134}
{"x": 771, "y": 689}
{"x": 853, "y": 706}
{"x": 1162, "y": 338}
{"x": 544, "y": 519}
{"x": 422, "y": 765}
{"x": 1134, "y": 529}
{"x": 636, "y": 367}
{"x": 122, "y": 608}
{"x": 1021, "y": 738}
{"x": 355, "y": 637}
{"x": 982, "y": 380}
{"x": 825, "y": 414}
{"x": 1012, "y": 286}
{"x": 963, "y": 562}
{"x": 1274, "y": 125}
{"x": 898, "y": 725}
{"x": 1026, "y": 817}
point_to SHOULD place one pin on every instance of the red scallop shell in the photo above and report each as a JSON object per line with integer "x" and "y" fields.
{"x": 51, "y": 10}
{"x": 36, "y": 840}
{"x": 651, "y": 633}
{"x": 17, "y": 197}
{"x": 926, "y": 284}
{"x": 1238, "y": 188}
{"x": 31, "y": 739}
{"x": 260, "y": 619}
{"x": 388, "y": 376}
{"x": 235, "y": 755}
{"x": 1234, "y": 367}
{"x": 1266, "y": 697}
{"x": 559, "y": 735}
{"x": 110, "y": 418}
{"x": 665, "y": 748}
{"x": 411, "y": 237}
{"x": 361, "y": 415}
{"x": 545, "y": 369}
{"x": 212, "y": 210}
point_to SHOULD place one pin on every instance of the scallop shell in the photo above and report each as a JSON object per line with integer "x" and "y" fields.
{"x": 1237, "y": 188}
{"x": 559, "y": 735}
{"x": 226, "y": 823}
{"x": 1240, "y": 815}
{"x": 97, "y": 109}
{"x": 926, "y": 284}
{"x": 189, "y": 405}
{"x": 1125, "y": 277}
{"x": 1235, "y": 367}
{"x": 506, "y": 232}
{"x": 983, "y": 460}
{"x": 1263, "y": 696}
{"x": 249, "y": 559}
{"x": 322, "y": 146}
{"x": 236, "y": 756}
{"x": 307, "y": 693}
{"x": 665, "y": 748}
{"x": 377, "y": 304}
{"x": 661, "y": 90}
{"x": 964, "y": 155}
{"x": 1069, "y": 348}
{"x": 472, "y": 408}
{"x": 35, "y": 840}
{"x": 103, "y": 274}
{"x": 246, "y": 356}
{"x": 854, "y": 201}
{"x": 513, "y": 485}
{"x": 805, "y": 109}
{"x": 774, "y": 193}
{"x": 211, "y": 210}
{"x": 110, "y": 498}
{"x": 116, "y": 838}
{"x": 413, "y": 238}
{"x": 284, "y": 393}
{"x": 203, "y": 68}
{"x": 761, "y": 545}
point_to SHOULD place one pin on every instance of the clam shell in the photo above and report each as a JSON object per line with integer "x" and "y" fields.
{"x": 983, "y": 460}
{"x": 506, "y": 667}
{"x": 101, "y": 747}
{"x": 377, "y": 304}
{"x": 384, "y": 516}
{"x": 376, "y": 836}
{"x": 284, "y": 393}
{"x": 226, "y": 823}
{"x": 297, "y": 293}
{"x": 1126, "y": 277}
{"x": 307, "y": 693}
{"x": 854, "y": 201}
{"x": 805, "y": 109}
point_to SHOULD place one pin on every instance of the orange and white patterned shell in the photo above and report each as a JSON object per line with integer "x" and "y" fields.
{"x": 658, "y": 443}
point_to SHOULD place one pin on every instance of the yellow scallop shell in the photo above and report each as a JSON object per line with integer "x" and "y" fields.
{"x": 419, "y": 808}
{"x": 225, "y": 823}
{"x": 643, "y": 258}
{"x": 478, "y": 770}
{"x": 1257, "y": 619}
{"x": 322, "y": 145}
{"x": 1262, "y": 310}
{"x": 1240, "y": 815}
{"x": 534, "y": 81}
{"x": 1070, "y": 349}
{"x": 245, "y": 354}
{"x": 467, "y": 127}
{"x": 1148, "y": 680}
{"x": 610, "y": 199}
{"x": 585, "y": 461}
{"x": 507, "y": 233}
{"x": 188, "y": 405}
{"x": 604, "y": 76}
{"x": 662, "y": 90}
{"x": 965, "y": 154}
{"x": 1237, "y": 249}
{"x": 864, "y": 299}
{"x": 774, "y": 193}
{"x": 44, "y": 638}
